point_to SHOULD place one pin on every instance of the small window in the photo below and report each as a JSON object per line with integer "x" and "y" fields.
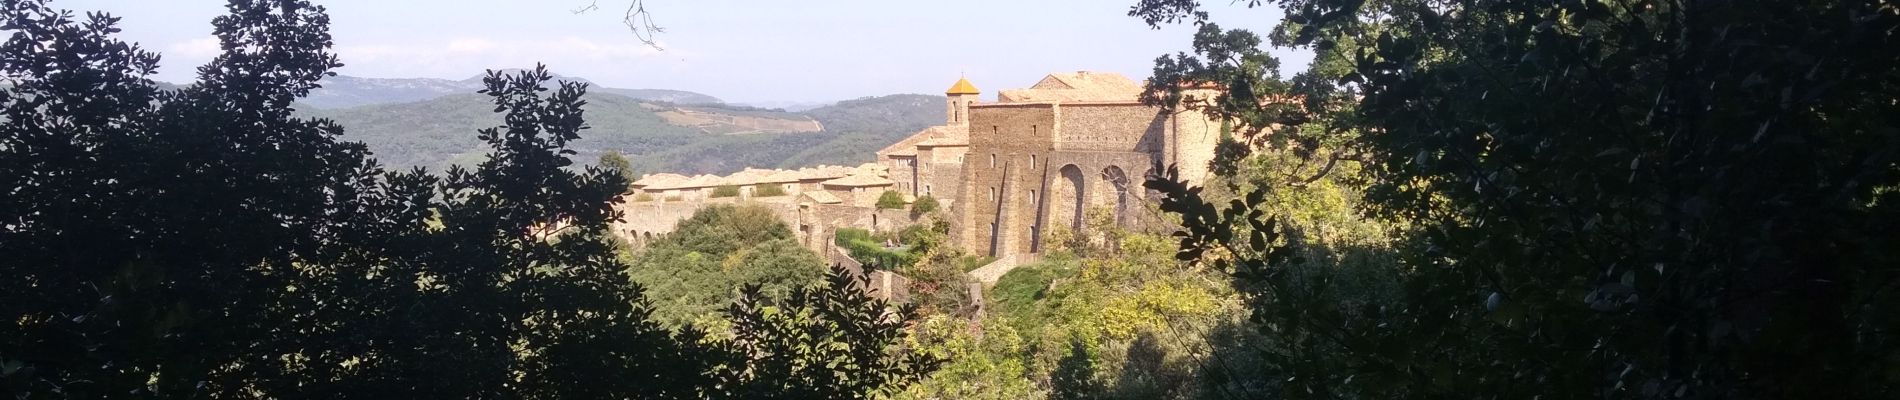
{"x": 1032, "y": 161}
{"x": 992, "y": 160}
{"x": 992, "y": 193}
{"x": 1032, "y": 197}
{"x": 926, "y": 189}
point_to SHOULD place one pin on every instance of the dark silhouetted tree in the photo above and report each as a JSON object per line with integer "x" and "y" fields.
{"x": 205, "y": 243}
{"x": 1600, "y": 199}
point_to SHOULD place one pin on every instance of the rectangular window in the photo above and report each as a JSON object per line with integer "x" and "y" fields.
{"x": 992, "y": 193}
{"x": 992, "y": 160}
{"x": 1032, "y": 197}
{"x": 1032, "y": 161}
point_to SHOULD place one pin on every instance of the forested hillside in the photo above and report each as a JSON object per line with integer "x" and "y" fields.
{"x": 343, "y": 91}
{"x": 435, "y": 133}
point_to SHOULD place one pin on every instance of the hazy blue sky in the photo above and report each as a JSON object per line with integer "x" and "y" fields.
{"x": 745, "y": 51}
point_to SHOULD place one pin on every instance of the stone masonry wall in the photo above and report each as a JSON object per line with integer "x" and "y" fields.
{"x": 998, "y": 172}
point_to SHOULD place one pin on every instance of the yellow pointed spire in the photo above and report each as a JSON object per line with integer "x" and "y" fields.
{"x": 963, "y": 86}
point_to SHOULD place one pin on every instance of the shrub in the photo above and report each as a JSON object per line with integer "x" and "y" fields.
{"x": 769, "y": 190}
{"x": 972, "y": 262}
{"x": 1022, "y": 286}
{"x": 869, "y": 249}
{"x": 923, "y": 205}
{"x": 726, "y": 191}
{"x": 890, "y": 200}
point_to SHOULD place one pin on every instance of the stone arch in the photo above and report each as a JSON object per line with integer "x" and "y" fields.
{"x": 1117, "y": 186}
{"x": 1065, "y": 198}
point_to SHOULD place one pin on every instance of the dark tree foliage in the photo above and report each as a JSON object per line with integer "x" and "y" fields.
{"x": 829, "y": 341}
{"x": 1605, "y": 198}
{"x": 204, "y": 243}
{"x": 1074, "y": 376}
{"x": 617, "y": 163}
{"x": 150, "y": 239}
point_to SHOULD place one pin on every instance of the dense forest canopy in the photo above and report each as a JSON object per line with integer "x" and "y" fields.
{"x": 432, "y": 133}
{"x": 1592, "y": 199}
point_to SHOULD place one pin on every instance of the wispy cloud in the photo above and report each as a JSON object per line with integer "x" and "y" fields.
{"x": 467, "y": 55}
{"x": 460, "y": 57}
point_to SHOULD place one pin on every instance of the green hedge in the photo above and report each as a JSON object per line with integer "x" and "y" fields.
{"x": 869, "y": 249}
{"x": 726, "y": 191}
{"x": 769, "y": 190}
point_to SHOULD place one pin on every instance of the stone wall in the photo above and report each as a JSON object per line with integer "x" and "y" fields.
{"x": 1113, "y": 127}
{"x": 1194, "y": 135}
{"x": 1006, "y": 162}
{"x": 1053, "y": 161}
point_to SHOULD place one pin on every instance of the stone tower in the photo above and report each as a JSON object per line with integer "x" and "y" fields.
{"x": 959, "y": 98}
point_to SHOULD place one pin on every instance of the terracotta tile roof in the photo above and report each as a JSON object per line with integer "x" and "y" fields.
{"x": 859, "y": 181}
{"x": 823, "y": 172}
{"x": 750, "y": 176}
{"x": 659, "y": 181}
{"x": 1076, "y": 86}
{"x": 702, "y": 181}
{"x": 822, "y": 197}
{"x": 944, "y": 142}
{"x": 781, "y": 176}
{"x": 908, "y": 146}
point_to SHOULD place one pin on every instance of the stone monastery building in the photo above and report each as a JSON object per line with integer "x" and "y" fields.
{"x": 1040, "y": 157}
{"x": 1006, "y": 172}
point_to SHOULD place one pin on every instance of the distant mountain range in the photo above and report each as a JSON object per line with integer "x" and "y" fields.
{"x": 348, "y": 91}
{"x": 431, "y": 123}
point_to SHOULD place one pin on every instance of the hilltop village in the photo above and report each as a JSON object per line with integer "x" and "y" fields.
{"x": 1004, "y": 172}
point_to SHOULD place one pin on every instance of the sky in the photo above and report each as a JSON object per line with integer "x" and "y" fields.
{"x": 753, "y": 51}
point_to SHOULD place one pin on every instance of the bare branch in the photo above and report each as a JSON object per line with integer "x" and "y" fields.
{"x": 641, "y": 23}
{"x": 637, "y": 19}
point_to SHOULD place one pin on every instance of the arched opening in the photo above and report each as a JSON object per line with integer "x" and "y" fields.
{"x": 1065, "y": 198}
{"x": 1118, "y": 186}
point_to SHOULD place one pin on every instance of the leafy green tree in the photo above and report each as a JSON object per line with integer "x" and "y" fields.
{"x": 890, "y": 200}
{"x": 1074, "y": 376}
{"x": 923, "y": 206}
{"x": 614, "y": 162}
{"x": 829, "y": 341}
{"x": 1621, "y": 199}
{"x": 697, "y": 269}
{"x": 151, "y": 238}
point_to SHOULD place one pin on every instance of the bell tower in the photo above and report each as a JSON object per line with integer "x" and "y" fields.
{"x": 958, "y": 99}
